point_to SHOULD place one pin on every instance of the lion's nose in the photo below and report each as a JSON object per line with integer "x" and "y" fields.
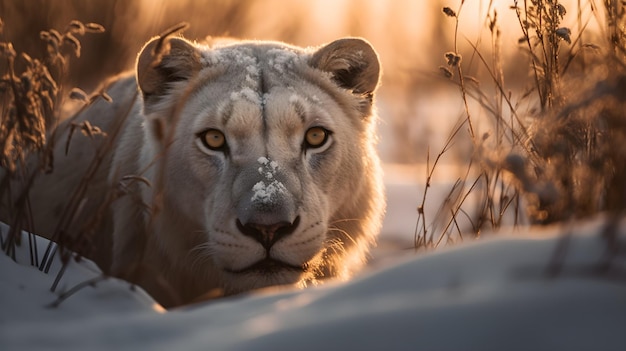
{"x": 266, "y": 234}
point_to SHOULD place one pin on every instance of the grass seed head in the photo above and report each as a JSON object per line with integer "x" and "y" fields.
{"x": 564, "y": 33}
{"x": 56, "y": 35}
{"x": 94, "y": 28}
{"x": 449, "y": 12}
{"x": 561, "y": 10}
{"x": 7, "y": 51}
{"x": 76, "y": 27}
{"x": 78, "y": 94}
{"x": 70, "y": 39}
{"x": 453, "y": 59}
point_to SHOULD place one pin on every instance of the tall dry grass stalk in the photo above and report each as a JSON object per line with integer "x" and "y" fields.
{"x": 33, "y": 95}
{"x": 563, "y": 159}
{"x": 33, "y": 92}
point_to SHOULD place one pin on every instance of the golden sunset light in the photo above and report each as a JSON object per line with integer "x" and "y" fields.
{"x": 313, "y": 174}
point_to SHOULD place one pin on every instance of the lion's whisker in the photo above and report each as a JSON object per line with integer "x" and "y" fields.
{"x": 344, "y": 233}
{"x": 345, "y": 220}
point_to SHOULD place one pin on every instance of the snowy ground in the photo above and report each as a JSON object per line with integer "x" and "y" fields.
{"x": 492, "y": 294}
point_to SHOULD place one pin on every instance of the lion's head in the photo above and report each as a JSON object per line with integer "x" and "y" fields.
{"x": 270, "y": 171}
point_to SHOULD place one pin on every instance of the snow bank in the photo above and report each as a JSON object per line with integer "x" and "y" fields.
{"x": 487, "y": 295}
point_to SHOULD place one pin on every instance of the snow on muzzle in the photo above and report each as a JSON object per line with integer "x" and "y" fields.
{"x": 267, "y": 211}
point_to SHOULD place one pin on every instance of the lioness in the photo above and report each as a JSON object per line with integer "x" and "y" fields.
{"x": 244, "y": 165}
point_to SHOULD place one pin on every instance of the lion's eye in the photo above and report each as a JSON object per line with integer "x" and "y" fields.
{"x": 213, "y": 139}
{"x": 316, "y": 137}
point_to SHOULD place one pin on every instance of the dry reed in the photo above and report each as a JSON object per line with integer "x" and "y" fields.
{"x": 565, "y": 159}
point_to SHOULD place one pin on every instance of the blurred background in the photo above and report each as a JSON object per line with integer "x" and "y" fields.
{"x": 417, "y": 105}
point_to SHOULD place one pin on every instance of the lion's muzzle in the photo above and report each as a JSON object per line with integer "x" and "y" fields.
{"x": 268, "y": 234}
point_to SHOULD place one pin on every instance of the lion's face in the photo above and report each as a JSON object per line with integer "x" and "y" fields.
{"x": 269, "y": 148}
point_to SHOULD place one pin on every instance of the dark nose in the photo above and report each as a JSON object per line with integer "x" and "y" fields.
{"x": 266, "y": 234}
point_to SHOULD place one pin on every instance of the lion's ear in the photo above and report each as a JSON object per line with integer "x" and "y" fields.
{"x": 352, "y": 62}
{"x": 165, "y": 61}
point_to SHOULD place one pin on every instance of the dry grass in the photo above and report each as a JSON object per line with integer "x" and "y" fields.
{"x": 562, "y": 159}
{"x": 33, "y": 97}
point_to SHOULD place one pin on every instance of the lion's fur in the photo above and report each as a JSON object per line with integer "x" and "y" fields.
{"x": 175, "y": 231}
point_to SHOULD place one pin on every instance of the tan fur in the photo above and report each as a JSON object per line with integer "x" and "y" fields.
{"x": 188, "y": 232}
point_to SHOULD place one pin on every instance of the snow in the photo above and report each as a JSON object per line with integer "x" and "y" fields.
{"x": 265, "y": 191}
{"x": 247, "y": 94}
{"x": 272, "y": 165}
{"x": 252, "y": 70}
{"x": 242, "y": 56}
{"x": 282, "y": 60}
{"x": 210, "y": 57}
{"x": 294, "y": 98}
{"x": 488, "y": 294}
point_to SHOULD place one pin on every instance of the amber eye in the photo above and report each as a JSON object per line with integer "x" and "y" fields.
{"x": 213, "y": 139}
{"x": 316, "y": 137}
